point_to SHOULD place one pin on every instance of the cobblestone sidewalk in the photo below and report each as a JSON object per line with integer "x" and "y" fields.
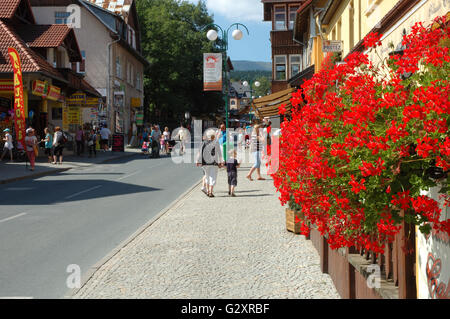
{"x": 222, "y": 247}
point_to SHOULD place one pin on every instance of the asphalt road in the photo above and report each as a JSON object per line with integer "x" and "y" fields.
{"x": 78, "y": 217}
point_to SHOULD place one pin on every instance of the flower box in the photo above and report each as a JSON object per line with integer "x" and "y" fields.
{"x": 291, "y": 225}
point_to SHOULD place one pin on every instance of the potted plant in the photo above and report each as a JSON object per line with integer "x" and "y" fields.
{"x": 294, "y": 217}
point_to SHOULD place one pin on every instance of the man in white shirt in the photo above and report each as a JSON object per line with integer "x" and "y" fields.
{"x": 104, "y": 137}
{"x": 8, "y": 144}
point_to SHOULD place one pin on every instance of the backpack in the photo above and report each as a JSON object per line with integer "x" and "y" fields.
{"x": 62, "y": 139}
{"x": 210, "y": 153}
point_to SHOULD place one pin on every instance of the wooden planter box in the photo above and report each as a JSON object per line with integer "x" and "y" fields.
{"x": 290, "y": 220}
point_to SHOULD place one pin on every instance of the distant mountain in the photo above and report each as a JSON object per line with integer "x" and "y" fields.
{"x": 252, "y": 66}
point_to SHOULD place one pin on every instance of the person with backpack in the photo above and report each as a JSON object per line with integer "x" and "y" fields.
{"x": 59, "y": 141}
{"x": 210, "y": 159}
{"x": 92, "y": 143}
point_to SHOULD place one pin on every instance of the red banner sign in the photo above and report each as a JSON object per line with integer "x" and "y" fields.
{"x": 19, "y": 112}
{"x": 54, "y": 93}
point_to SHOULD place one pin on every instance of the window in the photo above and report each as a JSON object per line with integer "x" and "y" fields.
{"x": 57, "y": 113}
{"x": 280, "y": 18}
{"x": 61, "y": 17}
{"x": 118, "y": 68}
{"x": 292, "y": 13}
{"x": 80, "y": 67}
{"x": 131, "y": 37}
{"x": 295, "y": 64}
{"x": 280, "y": 68}
{"x": 138, "y": 80}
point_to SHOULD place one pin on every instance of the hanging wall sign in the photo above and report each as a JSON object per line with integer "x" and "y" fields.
{"x": 212, "y": 71}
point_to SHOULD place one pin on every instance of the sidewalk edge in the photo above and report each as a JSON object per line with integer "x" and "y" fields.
{"x": 92, "y": 270}
{"x": 59, "y": 170}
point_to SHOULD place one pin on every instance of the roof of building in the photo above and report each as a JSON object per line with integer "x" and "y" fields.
{"x": 30, "y": 60}
{"x": 8, "y": 8}
{"x": 43, "y": 36}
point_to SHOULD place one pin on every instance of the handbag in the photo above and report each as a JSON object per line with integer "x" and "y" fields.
{"x": 36, "y": 150}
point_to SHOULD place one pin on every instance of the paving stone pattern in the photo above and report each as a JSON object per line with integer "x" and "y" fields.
{"x": 222, "y": 247}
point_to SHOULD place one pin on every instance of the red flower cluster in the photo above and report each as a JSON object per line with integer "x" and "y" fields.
{"x": 344, "y": 154}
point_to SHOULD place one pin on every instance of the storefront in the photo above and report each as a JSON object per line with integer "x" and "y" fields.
{"x": 6, "y": 104}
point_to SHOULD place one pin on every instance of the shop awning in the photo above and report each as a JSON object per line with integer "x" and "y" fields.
{"x": 268, "y": 105}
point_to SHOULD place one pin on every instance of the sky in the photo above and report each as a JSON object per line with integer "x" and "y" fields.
{"x": 256, "y": 45}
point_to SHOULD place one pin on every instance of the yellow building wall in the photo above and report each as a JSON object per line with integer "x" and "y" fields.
{"x": 366, "y": 14}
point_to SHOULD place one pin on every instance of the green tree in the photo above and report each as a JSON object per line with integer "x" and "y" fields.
{"x": 173, "y": 41}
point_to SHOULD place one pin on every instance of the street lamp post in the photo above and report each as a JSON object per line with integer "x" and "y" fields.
{"x": 212, "y": 35}
{"x": 257, "y": 84}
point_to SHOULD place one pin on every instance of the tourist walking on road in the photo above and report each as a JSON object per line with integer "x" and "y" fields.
{"x": 80, "y": 141}
{"x": 209, "y": 158}
{"x": 104, "y": 138}
{"x": 257, "y": 141}
{"x": 48, "y": 144}
{"x": 182, "y": 136}
{"x": 7, "y": 148}
{"x": 58, "y": 145}
{"x": 166, "y": 135}
{"x": 31, "y": 143}
{"x": 232, "y": 165}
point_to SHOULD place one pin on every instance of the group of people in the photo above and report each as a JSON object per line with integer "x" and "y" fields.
{"x": 154, "y": 141}
{"x": 54, "y": 145}
{"x": 89, "y": 137}
{"x": 210, "y": 159}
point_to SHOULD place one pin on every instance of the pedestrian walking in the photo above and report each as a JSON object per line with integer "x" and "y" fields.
{"x": 59, "y": 141}
{"x": 8, "y": 146}
{"x": 256, "y": 143}
{"x": 31, "y": 143}
{"x": 162, "y": 144}
{"x": 166, "y": 135}
{"x": 79, "y": 140}
{"x": 155, "y": 136}
{"x": 92, "y": 143}
{"x": 48, "y": 144}
{"x": 105, "y": 133}
{"x": 232, "y": 165}
{"x": 182, "y": 135}
{"x": 209, "y": 158}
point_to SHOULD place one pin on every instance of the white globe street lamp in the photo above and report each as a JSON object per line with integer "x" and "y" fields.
{"x": 212, "y": 35}
{"x": 257, "y": 84}
{"x": 237, "y": 34}
{"x": 245, "y": 83}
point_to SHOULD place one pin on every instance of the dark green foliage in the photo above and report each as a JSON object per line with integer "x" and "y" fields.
{"x": 173, "y": 41}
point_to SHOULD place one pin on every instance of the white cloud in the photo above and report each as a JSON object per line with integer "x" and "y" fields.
{"x": 241, "y": 10}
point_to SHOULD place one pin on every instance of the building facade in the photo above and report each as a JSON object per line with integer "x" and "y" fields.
{"x": 287, "y": 56}
{"x": 47, "y": 53}
{"x": 109, "y": 39}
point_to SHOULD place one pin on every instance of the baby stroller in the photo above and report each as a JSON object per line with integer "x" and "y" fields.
{"x": 171, "y": 145}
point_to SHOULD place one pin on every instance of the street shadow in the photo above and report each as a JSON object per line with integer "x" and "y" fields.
{"x": 48, "y": 192}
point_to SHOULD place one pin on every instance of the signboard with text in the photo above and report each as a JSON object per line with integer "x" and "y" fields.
{"x": 118, "y": 143}
{"x": 331, "y": 46}
{"x": 212, "y": 71}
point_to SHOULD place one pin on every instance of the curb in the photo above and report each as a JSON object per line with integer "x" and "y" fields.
{"x": 92, "y": 270}
{"x": 59, "y": 170}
